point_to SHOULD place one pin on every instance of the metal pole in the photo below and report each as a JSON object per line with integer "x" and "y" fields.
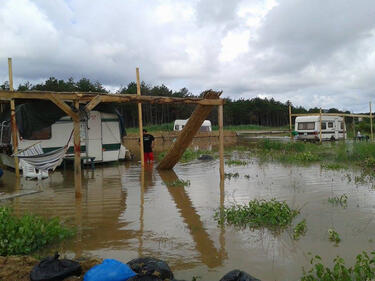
{"x": 290, "y": 122}
{"x": 221, "y": 141}
{"x": 140, "y": 122}
{"x": 13, "y": 120}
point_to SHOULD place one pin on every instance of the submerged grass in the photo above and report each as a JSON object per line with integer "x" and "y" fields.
{"x": 300, "y": 229}
{"x": 178, "y": 183}
{"x": 363, "y": 269}
{"x": 258, "y": 213}
{"x": 28, "y": 233}
{"x": 331, "y": 155}
{"x": 236, "y": 163}
{"x": 189, "y": 155}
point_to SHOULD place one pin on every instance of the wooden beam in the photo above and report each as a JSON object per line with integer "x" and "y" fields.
{"x": 290, "y": 122}
{"x": 221, "y": 140}
{"x": 320, "y": 121}
{"x": 14, "y": 136}
{"x": 64, "y": 107}
{"x": 87, "y": 97}
{"x": 333, "y": 114}
{"x": 140, "y": 122}
{"x": 77, "y": 155}
{"x": 10, "y": 72}
{"x": 94, "y": 102}
{"x": 371, "y": 130}
{"x": 187, "y": 134}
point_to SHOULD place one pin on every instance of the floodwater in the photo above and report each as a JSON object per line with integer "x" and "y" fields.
{"x": 126, "y": 213}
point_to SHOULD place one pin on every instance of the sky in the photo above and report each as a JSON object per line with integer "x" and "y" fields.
{"x": 317, "y": 53}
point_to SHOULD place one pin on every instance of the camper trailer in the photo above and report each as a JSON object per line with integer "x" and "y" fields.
{"x": 180, "y": 124}
{"x": 308, "y": 128}
{"x": 101, "y": 136}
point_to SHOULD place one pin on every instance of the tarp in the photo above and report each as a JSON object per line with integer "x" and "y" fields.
{"x": 36, "y": 115}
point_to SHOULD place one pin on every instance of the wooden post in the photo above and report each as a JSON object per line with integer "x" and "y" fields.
{"x": 77, "y": 155}
{"x": 140, "y": 120}
{"x": 320, "y": 119}
{"x": 344, "y": 128}
{"x": 187, "y": 134}
{"x": 290, "y": 122}
{"x": 372, "y": 135}
{"x": 13, "y": 120}
{"x": 221, "y": 140}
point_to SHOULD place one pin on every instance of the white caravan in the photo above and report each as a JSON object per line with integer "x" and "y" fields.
{"x": 179, "y": 124}
{"x": 100, "y": 138}
{"x": 308, "y": 127}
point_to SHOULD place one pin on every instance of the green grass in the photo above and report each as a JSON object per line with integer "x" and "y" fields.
{"x": 26, "y": 234}
{"x": 333, "y": 236}
{"x": 236, "y": 163}
{"x": 339, "y": 200}
{"x": 231, "y": 175}
{"x": 363, "y": 269}
{"x": 249, "y": 128}
{"x": 189, "y": 155}
{"x": 166, "y": 127}
{"x": 258, "y": 213}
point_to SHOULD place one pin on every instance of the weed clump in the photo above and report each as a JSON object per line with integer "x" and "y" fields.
{"x": 339, "y": 200}
{"x": 258, "y": 213}
{"x": 236, "y": 163}
{"x": 28, "y": 233}
{"x": 178, "y": 183}
{"x": 334, "y": 236}
{"x": 231, "y": 175}
{"x": 363, "y": 269}
{"x": 299, "y": 230}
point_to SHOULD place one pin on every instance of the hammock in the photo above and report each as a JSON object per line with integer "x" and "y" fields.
{"x": 35, "y": 157}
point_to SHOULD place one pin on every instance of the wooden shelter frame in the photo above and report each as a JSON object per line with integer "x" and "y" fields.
{"x": 370, "y": 116}
{"x": 91, "y": 100}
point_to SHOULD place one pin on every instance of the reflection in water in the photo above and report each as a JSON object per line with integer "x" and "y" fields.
{"x": 204, "y": 245}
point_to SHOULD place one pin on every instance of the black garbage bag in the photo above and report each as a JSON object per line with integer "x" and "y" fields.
{"x": 238, "y": 275}
{"x": 53, "y": 269}
{"x": 151, "y": 267}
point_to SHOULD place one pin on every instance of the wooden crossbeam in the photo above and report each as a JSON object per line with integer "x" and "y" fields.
{"x": 64, "y": 107}
{"x": 94, "y": 102}
{"x": 119, "y": 98}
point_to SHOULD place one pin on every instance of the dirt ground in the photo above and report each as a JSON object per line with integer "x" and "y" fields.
{"x": 18, "y": 268}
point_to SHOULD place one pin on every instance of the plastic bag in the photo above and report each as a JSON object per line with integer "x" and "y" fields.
{"x": 151, "y": 267}
{"x": 238, "y": 275}
{"x": 53, "y": 269}
{"x": 109, "y": 270}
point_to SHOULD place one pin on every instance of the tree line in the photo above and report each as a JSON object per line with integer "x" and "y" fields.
{"x": 256, "y": 111}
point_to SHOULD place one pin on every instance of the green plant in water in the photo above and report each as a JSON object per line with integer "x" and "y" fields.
{"x": 178, "y": 182}
{"x": 231, "y": 175}
{"x": 333, "y": 236}
{"x": 362, "y": 270}
{"x": 247, "y": 177}
{"x": 236, "y": 163}
{"x": 333, "y": 166}
{"x": 28, "y": 233}
{"x": 339, "y": 200}
{"x": 299, "y": 230}
{"x": 258, "y": 213}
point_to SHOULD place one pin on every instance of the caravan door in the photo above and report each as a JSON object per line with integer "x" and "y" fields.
{"x": 94, "y": 135}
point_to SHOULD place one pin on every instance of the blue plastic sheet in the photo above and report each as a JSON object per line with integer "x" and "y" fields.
{"x": 109, "y": 270}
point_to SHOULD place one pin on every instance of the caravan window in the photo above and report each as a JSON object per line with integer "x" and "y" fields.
{"x": 330, "y": 124}
{"x": 43, "y": 134}
{"x": 176, "y": 128}
{"x": 306, "y": 126}
{"x": 324, "y": 126}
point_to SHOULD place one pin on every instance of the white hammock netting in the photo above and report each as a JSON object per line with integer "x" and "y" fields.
{"x": 35, "y": 157}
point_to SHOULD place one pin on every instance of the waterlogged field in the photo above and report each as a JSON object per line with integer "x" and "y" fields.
{"x": 179, "y": 216}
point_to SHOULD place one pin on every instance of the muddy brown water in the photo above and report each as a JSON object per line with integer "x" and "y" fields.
{"x": 126, "y": 213}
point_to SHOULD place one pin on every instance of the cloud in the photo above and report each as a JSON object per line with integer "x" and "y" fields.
{"x": 314, "y": 53}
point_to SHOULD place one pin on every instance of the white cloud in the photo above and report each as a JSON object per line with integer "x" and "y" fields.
{"x": 314, "y": 53}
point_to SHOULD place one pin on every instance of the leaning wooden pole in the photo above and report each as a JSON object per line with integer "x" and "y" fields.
{"x": 77, "y": 155}
{"x": 371, "y": 130}
{"x": 221, "y": 140}
{"x": 140, "y": 122}
{"x": 13, "y": 120}
{"x": 187, "y": 134}
{"x": 290, "y": 122}
{"x": 320, "y": 120}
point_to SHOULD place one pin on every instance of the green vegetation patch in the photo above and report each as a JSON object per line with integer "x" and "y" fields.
{"x": 334, "y": 236}
{"x": 363, "y": 269}
{"x": 178, "y": 183}
{"x": 24, "y": 235}
{"x": 339, "y": 200}
{"x": 299, "y": 230}
{"x": 258, "y": 213}
{"x": 189, "y": 155}
{"x": 236, "y": 163}
{"x": 231, "y": 175}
